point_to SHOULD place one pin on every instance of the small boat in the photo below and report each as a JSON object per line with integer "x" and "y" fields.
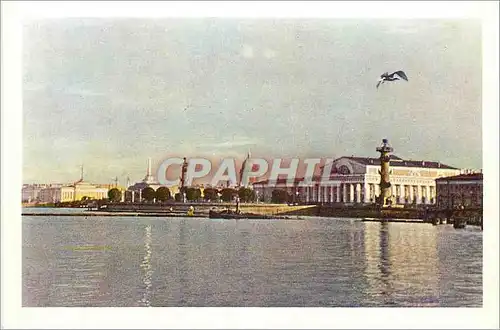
{"x": 228, "y": 214}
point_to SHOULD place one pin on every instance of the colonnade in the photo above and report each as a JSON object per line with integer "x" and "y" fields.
{"x": 367, "y": 192}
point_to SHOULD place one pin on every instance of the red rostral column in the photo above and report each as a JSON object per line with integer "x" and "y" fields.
{"x": 385, "y": 185}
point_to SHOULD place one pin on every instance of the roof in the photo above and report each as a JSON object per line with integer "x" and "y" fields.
{"x": 399, "y": 162}
{"x": 284, "y": 181}
{"x": 462, "y": 177}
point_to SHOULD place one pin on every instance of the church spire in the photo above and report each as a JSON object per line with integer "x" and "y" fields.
{"x": 149, "y": 176}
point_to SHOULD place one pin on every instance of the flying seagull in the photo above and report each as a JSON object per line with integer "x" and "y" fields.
{"x": 391, "y": 77}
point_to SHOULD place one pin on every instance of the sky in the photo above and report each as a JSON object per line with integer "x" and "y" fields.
{"x": 110, "y": 92}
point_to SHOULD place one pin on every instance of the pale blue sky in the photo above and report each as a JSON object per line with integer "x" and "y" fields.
{"x": 111, "y": 92}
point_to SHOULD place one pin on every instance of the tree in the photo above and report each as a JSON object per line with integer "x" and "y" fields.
{"x": 115, "y": 195}
{"x": 163, "y": 194}
{"x": 148, "y": 194}
{"x": 228, "y": 194}
{"x": 246, "y": 195}
{"x": 210, "y": 194}
{"x": 280, "y": 196}
{"x": 193, "y": 194}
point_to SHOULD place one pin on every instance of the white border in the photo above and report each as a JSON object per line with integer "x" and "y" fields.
{"x": 13, "y": 316}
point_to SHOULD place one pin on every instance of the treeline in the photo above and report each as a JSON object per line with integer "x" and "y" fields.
{"x": 192, "y": 194}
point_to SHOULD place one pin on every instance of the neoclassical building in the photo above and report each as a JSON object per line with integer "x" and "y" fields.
{"x": 355, "y": 180}
{"x": 73, "y": 192}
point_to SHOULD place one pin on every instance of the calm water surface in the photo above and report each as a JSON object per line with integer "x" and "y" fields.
{"x": 129, "y": 261}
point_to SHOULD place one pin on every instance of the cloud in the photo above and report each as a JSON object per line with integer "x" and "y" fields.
{"x": 269, "y": 53}
{"x": 410, "y": 27}
{"x": 81, "y": 92}
{"x": 230, "y": 144}
{"x": 247, "y": 51}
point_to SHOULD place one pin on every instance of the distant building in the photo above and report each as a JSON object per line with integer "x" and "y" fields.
{"x": 31, "y": 192}
{"x": 73, "y": 192}
{"x": 460, "y": 190}
{"x": 148, "y": 181}
{"x": 355, "y": 180}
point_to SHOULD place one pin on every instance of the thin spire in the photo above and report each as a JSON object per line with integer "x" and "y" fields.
{"x": 81, "y": 173}
{"x": 149, "y": 166}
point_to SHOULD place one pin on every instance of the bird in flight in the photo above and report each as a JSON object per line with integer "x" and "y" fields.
{"x": 391, "y": 77}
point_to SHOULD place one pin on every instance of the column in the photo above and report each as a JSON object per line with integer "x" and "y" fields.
{"x": 344, "y": 192}
{"x": 123, "y": 196}
{"x": 320, "y": 195}
{"x": 401, "y": 193}
{"x": 427, "y": 194}
{"x": 411, "y": 194}
{"x": 331, "y": 194}
{"x": 419, "y": 194}
{"x": 140, "y": 196}
{"x": 338, "y": 194}
{"x": 366, "y": 188}
{"x": 307, "y": 194}
{"x": 358, "y": 193}
{"x": 133, "y": 195}
{"x": 377, "y": 191}
{"x": 351, "y": 193}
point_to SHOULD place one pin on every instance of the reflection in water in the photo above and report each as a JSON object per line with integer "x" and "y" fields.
{"x": 182, "y": 268}
{"x": 259, "y": 263}
{"x": 385, "y": 263}
{"x": 146, "y": 268}
{"x": 406, "y": 260}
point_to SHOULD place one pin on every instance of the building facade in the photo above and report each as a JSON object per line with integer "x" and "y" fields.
{"x": 74, "y": 192}
{"x": 31, "y": 192}
{"x": 355, "y": 180}
{"x": 460, "y": 190}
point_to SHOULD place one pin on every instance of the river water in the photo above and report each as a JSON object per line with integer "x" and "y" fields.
{"x": 130, "y": 261}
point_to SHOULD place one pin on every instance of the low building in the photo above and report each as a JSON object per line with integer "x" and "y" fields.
{"x": 460, "y": 190}
{"x": 74, "y": 192}
{"x": 31, "y": 192}
{"x": 355, "y": 180}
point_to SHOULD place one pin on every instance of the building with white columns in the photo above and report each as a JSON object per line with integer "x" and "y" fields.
{"x": 355, "y": 180}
